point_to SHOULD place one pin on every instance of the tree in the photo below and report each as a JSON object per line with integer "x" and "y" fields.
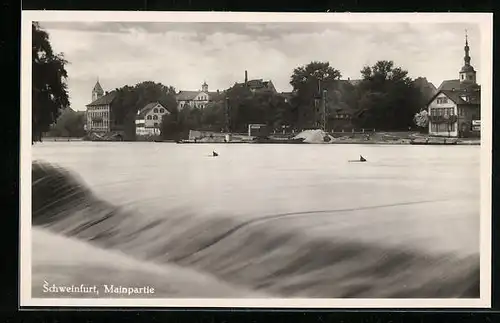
{"x": 388, "y": 98}
{"x": 69, "y": 124}
{"x": 421, "y": 119}
{"x": 308, "y": 83}
{"x": 49, "y": 87}
{"x": 213, "y": 116}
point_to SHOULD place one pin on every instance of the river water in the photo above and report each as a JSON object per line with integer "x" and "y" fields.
{"x": 288, "y": 220}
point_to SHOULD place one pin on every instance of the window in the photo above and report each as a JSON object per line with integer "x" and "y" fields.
{"x": 470, "y": 77}
{"x": 149, "y": 117}
{"x": 442, "y": 100}
{"x": 155, "y": 117}
{"x": 156, "y": 124}
{"x": 162, "y": 110}
{"x": 155, "y": 110}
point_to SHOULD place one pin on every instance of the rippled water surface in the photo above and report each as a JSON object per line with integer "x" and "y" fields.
{"x": 287, "y": 220}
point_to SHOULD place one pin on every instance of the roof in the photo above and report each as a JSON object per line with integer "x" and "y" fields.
{"x": 98, "y": 88}
{"x": 287, "y": 95}
{"x": 474, "y": 95}
{"x": 449, "y": 85}
{"x": 190, "y": 95}
{"x": 352, "y": 82}
{"x": 142, "y": 113}
{"x": 467, "y": 68}
{"x": 105, "y": 99}
{"x": 257, "y": 84}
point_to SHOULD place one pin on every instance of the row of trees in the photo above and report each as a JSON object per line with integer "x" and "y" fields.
{"x": 386, "y": 98}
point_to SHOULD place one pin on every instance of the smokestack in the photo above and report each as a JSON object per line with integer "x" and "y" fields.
{"x": 246, "y": 77}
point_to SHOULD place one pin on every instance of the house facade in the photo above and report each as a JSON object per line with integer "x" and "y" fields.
{"x": 196, "y": 99}
{"x": 99, "y": 114}
{"x": 455, "y": 110}
{"x": 148, "y": 119}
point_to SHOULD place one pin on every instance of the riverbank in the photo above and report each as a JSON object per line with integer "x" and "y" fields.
{"x": 348, "y": 141}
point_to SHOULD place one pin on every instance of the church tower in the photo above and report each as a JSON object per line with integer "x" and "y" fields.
{"x": 97, "y": 91}
{"x": 204, "y": 87}
{"x": 467, "y": 73}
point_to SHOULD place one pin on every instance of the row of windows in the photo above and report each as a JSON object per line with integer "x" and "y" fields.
{"x": 99, "y": 107}
{"x": 442, "y": 111}
{"x": 100, "y": 114}
{"x": 199, "y": 106}
{"x": 161, "y": 110}
{"x": 443, "y": 127}
{"x": 150, "y": 117}
{"x": 140, "y": 125}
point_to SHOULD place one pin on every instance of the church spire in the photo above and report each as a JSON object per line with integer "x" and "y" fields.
{"x": 97, "y": 91}
{"x": 467, "y": 73}
{"x": 466, "y": 49}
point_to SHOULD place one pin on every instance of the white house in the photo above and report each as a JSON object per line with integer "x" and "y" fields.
{"x": 455, "y": 110}
{"x": 148, "y": 120}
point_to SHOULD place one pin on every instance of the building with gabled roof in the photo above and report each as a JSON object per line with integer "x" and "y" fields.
{"x": 99, "y": 114}
{"x": 455, "y": 110}
{"x": 197, "y": 99}
{"x": 148, "y": 120}
{"x": 257, "y": 85}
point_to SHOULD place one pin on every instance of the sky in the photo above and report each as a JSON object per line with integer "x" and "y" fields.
{"x": 186, "y": 54}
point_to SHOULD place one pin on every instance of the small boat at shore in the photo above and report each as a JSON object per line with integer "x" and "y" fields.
{"x": 267, "y": 140}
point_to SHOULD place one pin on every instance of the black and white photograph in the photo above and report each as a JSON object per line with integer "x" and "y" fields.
{"x": 256, "y": 159}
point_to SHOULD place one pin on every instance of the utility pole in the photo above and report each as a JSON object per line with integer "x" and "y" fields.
{"x": 323, "y": 108}
{"x": 228, "y": 114}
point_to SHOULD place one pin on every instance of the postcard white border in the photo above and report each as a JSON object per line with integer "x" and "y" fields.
{"x": 483, "y": 20}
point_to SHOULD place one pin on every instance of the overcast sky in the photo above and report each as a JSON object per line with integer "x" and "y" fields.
{"x": 185, "y": 54}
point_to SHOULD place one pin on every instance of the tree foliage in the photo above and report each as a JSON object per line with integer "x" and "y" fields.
{"x": 69, "y": 124}
{"x": 421, "y": 119}
{"x": 308, "y": 83}
{"x": 388, "y": 98}
{"x": 49, "y": 87}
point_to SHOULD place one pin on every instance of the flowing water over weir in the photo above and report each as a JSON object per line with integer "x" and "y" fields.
{"x": 260, "y": 254}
